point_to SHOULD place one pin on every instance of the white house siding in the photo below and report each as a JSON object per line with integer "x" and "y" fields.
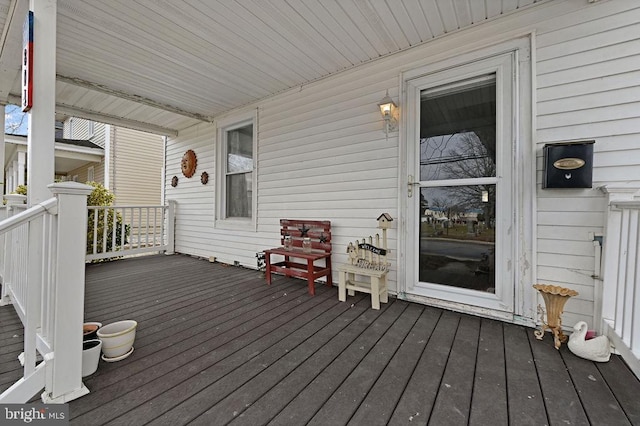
{"x": 588, "y": 78}
{"x": 83, "y": 172}
{"x": 322, "y": 153}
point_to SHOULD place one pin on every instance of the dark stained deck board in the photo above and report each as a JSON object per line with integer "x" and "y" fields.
{"x": 348, "y": 397}
{"x": 598, "y": 400}
{"x": 216, "y": 345}
{"x": 624, "y": 386}
{"x": 281, "y": 384}
{"x": 416, "y": 403}
{"x": 319, "y": 390}
{"x": 381, "y": 401}
{"x": 524, "y": 396}
{"x": 453, "y": 402}
{"x": 560, "y": 397}
{"x": 215, "y": 342}
{"x": 190, "y": 398}
{"x": 489, "y": 399}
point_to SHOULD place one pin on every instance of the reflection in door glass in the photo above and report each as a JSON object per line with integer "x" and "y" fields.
{"x": 457, "y": 236}
{"x": 458, "y": 130}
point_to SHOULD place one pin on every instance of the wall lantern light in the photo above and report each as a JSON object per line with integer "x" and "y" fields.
{"x": 389, "y": 109}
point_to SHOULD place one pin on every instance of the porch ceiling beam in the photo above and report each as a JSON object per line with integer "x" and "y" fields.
{"x": 10, "y": 47}
{"x": 131, "y": 97}
{"x": 107, "y": 118}
{"x": 117, "y": 121}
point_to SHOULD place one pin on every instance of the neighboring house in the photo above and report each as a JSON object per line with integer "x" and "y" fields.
{"x": 71, "y": 155}
{"x": 132, "y": 166}
{"x": 87, "y": 151}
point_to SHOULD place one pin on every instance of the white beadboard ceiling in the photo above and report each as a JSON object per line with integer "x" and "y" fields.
{"x": 165, "y": 65}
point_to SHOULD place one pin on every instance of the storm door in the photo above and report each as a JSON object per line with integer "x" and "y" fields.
{"x": 459, "y": 163}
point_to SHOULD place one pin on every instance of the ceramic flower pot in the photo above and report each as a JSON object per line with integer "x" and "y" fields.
{"x": 90, "y": 356}
{"x": 90, "y": 330}
{"x": 117, "y": 338}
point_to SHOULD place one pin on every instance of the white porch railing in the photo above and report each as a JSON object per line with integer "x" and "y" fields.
{"x": 43, "y": 277}
{"x": 13, "y": 258}
{"x": 130, "y": 230}
{"x": 621, "y": 286}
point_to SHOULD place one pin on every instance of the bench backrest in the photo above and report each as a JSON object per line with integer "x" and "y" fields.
{"x": 319, "y": 231}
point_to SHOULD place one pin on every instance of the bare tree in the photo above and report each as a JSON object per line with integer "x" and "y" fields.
{"x": 14, "y": 119}
{"x": 475, "y": 160}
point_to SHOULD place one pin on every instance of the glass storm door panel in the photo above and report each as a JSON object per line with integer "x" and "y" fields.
{"x": 458, "y": 143}
{"x": 459, "y": 156}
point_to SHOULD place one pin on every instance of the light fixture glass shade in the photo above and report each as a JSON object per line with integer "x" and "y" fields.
{"x": 386, "y": 104}
{"x": 388, "y": 110}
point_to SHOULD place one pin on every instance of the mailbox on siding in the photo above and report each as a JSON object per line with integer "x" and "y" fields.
{"x": 568, "y": 165}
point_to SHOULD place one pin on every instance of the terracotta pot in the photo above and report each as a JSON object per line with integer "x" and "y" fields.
{"x": 90, "y": 330}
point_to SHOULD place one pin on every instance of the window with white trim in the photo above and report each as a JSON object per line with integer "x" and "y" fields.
{"x": 90, "y": 174}
{"x": 236, "y": 183}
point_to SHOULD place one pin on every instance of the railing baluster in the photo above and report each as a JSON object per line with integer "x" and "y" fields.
{"x": 621, "y": 286}
{"x": 146, "y": 235}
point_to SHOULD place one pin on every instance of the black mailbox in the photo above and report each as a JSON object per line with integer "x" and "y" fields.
{"x": 568, "y": 165}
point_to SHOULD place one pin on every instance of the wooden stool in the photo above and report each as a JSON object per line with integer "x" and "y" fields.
{"x": 377, "y": 286}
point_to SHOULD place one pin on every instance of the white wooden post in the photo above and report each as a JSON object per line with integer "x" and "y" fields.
{"x": 40, "y": 152}
{"x": 2, "y": 144}
{"x": 22, "y": 164}
{"x": 171, "y": 226}
{"x": 64, "y": 380}
{"x": 611, "y": 254}
{"x": 41, "y": 137}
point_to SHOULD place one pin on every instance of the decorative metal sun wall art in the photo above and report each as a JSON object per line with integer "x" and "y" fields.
{"x": 189, "y": 163}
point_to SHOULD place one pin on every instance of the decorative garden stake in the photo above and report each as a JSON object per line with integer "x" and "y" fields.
{"x": 554, "y": 299}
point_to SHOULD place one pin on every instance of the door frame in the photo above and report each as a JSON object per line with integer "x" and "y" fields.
{"x": 523, "y": 187}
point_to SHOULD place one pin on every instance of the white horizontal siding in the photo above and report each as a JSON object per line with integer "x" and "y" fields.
{"x": 322, "y": 153}
{"x": 588, "y": 87}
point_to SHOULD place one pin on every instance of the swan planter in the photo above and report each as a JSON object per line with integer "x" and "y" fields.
{"x": 117, "y": 339}
{"x": 596, "y": 349}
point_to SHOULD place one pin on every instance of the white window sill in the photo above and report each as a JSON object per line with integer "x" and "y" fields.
{"x": 236, "y": 224}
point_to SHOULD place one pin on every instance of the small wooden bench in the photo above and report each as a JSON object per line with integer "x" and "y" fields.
{"x": 319, "y": 235}
{"x": 367, "y": 259}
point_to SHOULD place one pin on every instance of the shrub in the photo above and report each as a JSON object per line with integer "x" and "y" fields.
{"x": 20, "y": 190}
{"x": 101, "y": 196}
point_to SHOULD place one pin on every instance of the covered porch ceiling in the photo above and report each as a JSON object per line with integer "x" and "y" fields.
{"x": 164, "y": 65}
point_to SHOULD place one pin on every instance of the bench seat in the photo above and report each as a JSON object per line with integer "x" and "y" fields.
{"x": 298, "y": 263}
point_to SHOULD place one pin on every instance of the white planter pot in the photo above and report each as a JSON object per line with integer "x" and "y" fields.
{"x": 117, "y": 338}
{"x": 90, "y": 356}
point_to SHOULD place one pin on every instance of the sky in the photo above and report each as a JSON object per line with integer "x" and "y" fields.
{"x": 15, "y": 121}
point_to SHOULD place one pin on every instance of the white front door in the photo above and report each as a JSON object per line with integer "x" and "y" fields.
{"x": 460, "y": 209}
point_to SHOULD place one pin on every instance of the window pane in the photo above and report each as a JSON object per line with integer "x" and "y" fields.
{"x": 239, "y": 195}
{"x": 457, "y": 236}
{"x": 458, "y": 131}
{"x": 240, "y": 149}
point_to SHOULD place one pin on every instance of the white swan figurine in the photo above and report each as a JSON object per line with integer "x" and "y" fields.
{"x": 597, "y": 349}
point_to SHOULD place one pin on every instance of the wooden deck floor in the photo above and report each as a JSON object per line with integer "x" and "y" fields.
{"x": 216, "y": 345}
